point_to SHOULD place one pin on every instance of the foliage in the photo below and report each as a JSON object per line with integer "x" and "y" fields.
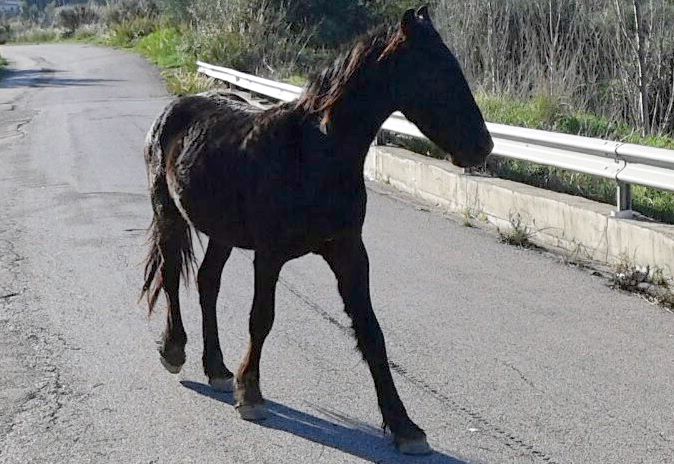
{"x": 72, "y": 18}
{"x": 128, "y": 33}
{"x": 255, "y": 37}
{"x": 598, "y": 57}
{"x": 126, "y": 11}
{"x": 163, "y": 48}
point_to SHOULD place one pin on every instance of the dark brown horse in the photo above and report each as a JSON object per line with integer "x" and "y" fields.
{"x": 288, "y": 181}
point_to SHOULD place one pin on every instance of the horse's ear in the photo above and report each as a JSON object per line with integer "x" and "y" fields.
{"x": 408, "y": 21}
{"x": 423, "y": 13}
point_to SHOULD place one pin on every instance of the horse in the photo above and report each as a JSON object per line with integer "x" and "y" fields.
{"x": 288, "y": 181}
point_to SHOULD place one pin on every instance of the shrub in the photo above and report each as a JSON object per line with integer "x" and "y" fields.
{"x": 72, "y": 18}
{"x": 126, "y": 34}
{"x": 255, "y": 37}
{"x": 127, "y": 11}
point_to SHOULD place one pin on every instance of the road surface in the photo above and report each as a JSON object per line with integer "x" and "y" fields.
{"x": 502, "y": 355}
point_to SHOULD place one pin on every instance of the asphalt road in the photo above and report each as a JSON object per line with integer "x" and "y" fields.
{"x": 502, "y": 355}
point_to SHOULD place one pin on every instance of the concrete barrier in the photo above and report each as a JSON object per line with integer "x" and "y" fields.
{"x": 582, "y": 227}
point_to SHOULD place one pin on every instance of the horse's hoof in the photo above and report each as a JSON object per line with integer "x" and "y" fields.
{"x": 170, "y": 367}
{"x": 252, "y": 412}
{"x": 416, "y": 446}
{"x": 222, "y": 384}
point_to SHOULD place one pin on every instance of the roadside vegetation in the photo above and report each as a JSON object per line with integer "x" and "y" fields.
{"x": 601, "y": 69}
{"x": 650, "y": 282}
{"x": 518, "y": 233}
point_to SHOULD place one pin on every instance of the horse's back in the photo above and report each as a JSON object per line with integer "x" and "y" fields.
{"x": 193, "y": 147}
{"x": 196, "y": 113}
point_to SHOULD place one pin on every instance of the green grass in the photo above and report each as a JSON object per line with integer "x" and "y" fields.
{"x": 551, "y": 114}
{"x": 163, "y": 48}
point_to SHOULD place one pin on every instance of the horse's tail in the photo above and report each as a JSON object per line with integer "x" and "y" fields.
{"x": 170, "y": 235}
{"x": 153, "y": 276}
{"x": 166, "y": 248}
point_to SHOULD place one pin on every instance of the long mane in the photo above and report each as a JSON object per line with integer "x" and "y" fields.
{"x": 326, "y": 89}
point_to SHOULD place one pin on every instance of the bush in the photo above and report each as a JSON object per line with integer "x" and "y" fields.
{"x": 128, "y": 11}
{"x": 127, "y": 34}
{"x": 255, "y": 37}
{"x": 72, "y": 18}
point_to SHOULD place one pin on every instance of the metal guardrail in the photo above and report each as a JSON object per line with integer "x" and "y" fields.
{"x": 625, "y": 163}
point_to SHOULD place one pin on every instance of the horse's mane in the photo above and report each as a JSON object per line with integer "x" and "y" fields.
{"x": 327, "y": 88}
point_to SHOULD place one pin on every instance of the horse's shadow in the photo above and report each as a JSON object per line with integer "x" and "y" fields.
{"x": 342, "y": 433}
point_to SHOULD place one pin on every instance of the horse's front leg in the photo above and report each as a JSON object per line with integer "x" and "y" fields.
{"x": 208, "y": 279}
{"x": 249, "y": 400}
{"x": 348, "y": 260}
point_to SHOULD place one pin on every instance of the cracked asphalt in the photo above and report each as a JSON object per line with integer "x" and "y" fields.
{"x": 502, "y": 355}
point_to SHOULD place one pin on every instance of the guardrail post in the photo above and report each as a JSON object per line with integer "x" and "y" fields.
{"x": 624, "y": 199}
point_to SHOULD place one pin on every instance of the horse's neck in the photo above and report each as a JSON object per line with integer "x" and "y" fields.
{"x": 356, "y": 119}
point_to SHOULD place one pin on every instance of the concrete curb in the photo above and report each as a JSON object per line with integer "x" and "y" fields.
{"x": 582, "y": 227}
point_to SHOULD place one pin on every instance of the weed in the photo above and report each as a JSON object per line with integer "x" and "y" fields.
{"x": 519, "y": 234}
{"x": 470, "y": 215}
{"x": 580, "y": 255}
{"x": 649, "y": 281}
{"x": 182, "y": 82}
{"x": 629, "y": 276}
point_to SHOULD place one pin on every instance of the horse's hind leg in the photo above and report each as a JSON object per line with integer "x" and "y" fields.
{"x": 170, "y": 254}
{"x": 348, "y": 259}
{"x": 249, "y": 400}
{"x": 172, "y": 350}
{"x": 219, "y": 377}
